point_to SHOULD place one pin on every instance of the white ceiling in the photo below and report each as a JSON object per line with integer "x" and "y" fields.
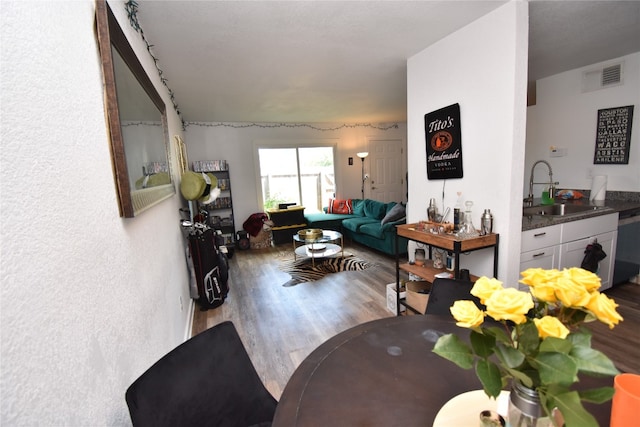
{"x": 345, "y": 61}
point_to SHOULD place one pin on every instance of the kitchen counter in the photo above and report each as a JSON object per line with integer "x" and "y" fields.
{"x": 625, "y": 208}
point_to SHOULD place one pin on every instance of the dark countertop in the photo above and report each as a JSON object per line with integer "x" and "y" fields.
{"x": 625, "y": 208}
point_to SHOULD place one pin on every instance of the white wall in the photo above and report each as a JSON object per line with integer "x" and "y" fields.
{"x": 483, "y": 68}
{"x": 89, "y": 300}
{"x": 566, "y": 117}
{"x": 234, "y": 142}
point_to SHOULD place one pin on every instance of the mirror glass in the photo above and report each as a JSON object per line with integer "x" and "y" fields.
{"x": 137, "y": 122}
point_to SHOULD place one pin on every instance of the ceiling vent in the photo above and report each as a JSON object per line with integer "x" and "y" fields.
{"x": 602, "y": 78}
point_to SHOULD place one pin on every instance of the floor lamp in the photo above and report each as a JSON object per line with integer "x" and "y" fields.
{"x": 362, "y": 155}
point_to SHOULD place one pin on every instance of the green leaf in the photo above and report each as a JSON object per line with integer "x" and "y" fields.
{"x": 489, "y": 375}
{"x": 575, "y": 316}
{"x": 546, "y": 400}
{"x": 557, "y": 345}
{"x": 526, "y": 380}
{"x": 509, "y": 356}
{"x": 593, "y": 362}
{"x": 528, "y": 340}
{"x": 499, "y": 334}
{"x": 556, "y": 368}
{"x": 454, "y": 349}
{"x": 482, "y": 345}
{"x": 580, "y": 338}
{"x": 597, "y": 395}
{"x": 572, "y": 410}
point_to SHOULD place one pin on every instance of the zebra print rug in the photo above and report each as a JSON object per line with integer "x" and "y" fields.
{"x": 302, "y": 271}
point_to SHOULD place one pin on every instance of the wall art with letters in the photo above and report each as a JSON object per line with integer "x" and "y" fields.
{"x": 444, "y": 144}
{"x": 613, "y": 136}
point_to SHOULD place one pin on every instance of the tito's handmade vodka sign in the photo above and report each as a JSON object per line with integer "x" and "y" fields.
{"x": 444, "y": 145}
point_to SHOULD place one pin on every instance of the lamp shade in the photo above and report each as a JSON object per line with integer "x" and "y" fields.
{"x": 362, "y": 154}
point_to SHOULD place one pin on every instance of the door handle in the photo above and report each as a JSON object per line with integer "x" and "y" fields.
{"x": 373, "y": 188}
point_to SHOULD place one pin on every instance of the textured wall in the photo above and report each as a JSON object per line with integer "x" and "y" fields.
{"x": 483, "y": 68}
{"x": 89, "y": 300}
{"x": 236, "y": 145}
{"x": 566, "y": 117}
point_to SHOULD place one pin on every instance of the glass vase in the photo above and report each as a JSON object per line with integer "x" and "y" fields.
{"x": 525, "y": 409}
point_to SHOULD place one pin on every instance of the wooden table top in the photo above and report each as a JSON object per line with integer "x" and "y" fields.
{"x": 382, "y": 373}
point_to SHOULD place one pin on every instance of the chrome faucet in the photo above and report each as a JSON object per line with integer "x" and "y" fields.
{"x": 529, "y": 200}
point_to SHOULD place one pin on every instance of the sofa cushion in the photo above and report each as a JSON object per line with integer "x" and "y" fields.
{"x": 354, "y": 224}
{"x": 396, "y": 212}
{"x": 373, "y": 229}
{"x": 358, "y": 206}
{"x": 325, "y": 221}
{"x": 375, "y": 209}
{"x": 340, "y": 206}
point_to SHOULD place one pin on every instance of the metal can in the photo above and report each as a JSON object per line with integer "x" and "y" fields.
{"x": 450, "y": 263}
{"x": 486, "y": 222}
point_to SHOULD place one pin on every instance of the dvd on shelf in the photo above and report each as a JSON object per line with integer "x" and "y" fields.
{"x": 209, "y": 165}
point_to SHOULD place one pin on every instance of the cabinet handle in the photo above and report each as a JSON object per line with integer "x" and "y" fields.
{"x": 538, "y": 254}
{"x": 539, "y": 234}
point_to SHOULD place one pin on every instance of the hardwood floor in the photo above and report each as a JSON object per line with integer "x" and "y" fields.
{"x": 622, "y": 343}
{"x": 280, "y": 325}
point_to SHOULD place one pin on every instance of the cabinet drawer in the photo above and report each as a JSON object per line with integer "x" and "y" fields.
{"x": 576, "y": 230}
{"x": 544, "y": 258}
{"x": 540, "y": 238}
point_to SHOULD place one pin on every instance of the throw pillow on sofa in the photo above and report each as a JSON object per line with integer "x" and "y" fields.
{"x": 395, "y": 213}
{"x": 375, "y": 209}
{"x": 338, "y": 206}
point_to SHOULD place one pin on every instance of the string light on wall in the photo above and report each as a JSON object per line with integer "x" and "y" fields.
{"x": 125, "y": 124}
{"x": 292, "y": 125}
{"x": 131, "y": 7}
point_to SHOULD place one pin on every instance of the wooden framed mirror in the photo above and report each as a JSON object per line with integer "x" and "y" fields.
{"x": 136, "y": 121}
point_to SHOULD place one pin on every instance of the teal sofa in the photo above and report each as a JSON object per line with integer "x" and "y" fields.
{"x": 372, "y": 224}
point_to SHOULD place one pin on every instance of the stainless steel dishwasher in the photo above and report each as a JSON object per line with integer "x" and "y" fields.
{"x": 627, "y": 262}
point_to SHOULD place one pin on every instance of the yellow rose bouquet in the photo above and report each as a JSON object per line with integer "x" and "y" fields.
{"x": 536, "y": 338}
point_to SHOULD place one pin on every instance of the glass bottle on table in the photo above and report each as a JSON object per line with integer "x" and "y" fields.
{"x": 468, "y": 230}
{"x": 432, "y": 210}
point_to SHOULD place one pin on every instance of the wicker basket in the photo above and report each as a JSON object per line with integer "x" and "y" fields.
{"x": 261, "y": 241}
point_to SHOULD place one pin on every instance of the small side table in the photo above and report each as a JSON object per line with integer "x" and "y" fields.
{"x": 286, "y": 223}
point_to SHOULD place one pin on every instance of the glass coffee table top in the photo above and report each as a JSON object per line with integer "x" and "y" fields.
{"x": 318, "y": 250}
{"x": 328, "y": 245}
{"x": 327, "y": 237}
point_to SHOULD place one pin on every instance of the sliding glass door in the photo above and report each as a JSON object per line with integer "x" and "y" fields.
{"x": 303, "y": 175}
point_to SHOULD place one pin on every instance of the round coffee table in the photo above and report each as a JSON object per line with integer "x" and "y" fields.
{"x": 330, "y": 244}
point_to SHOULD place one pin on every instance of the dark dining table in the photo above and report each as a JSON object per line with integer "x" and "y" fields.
{"x": 383, "y": 373}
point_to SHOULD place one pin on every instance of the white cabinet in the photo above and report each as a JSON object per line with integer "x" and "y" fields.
{"x": 541, "y": 238}
{"x": 563, "y": 245}
{"x": 576, "y": 236}
{"x": 546, "y": 258}
{"x": 576, "y": 230}
{"x": 540, "y": 248}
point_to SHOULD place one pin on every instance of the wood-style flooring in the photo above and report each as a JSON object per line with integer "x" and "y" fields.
{"x": 280, "y": 325}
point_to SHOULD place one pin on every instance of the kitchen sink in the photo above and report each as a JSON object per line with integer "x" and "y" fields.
{"x": 559, "y": 209}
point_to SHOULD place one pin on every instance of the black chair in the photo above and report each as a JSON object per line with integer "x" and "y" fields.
{"x": 208, "y": 380}
{"x": 444, "y": 292}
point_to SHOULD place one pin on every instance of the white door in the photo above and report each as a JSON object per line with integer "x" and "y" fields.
{"x": 387, "y": 171}
{"x": 572, "y": 254}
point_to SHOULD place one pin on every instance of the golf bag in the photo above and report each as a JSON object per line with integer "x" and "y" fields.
{"x": 210, "y": 267}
